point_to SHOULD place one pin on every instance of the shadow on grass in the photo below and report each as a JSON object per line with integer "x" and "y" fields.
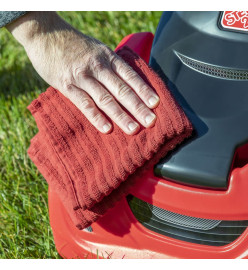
{"x": 17, "y": 80}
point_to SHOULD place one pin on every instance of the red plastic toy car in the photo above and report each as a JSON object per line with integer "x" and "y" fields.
{"x": 194, "y": 204}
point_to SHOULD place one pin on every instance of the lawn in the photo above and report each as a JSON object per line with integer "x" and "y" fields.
{"x": 24, "y": 223}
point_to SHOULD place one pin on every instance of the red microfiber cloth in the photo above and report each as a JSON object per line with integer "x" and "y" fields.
{"x": 89, "y": 170}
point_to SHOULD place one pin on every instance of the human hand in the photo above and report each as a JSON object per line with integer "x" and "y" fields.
{"x": 87, "y": 72}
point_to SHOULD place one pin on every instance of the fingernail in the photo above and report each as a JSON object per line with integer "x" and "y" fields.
{"x": 149, "y": 118}
{"x": 153, "y": 100}
{"x": 132, "y": 126}
{"x": 106, "y": 127}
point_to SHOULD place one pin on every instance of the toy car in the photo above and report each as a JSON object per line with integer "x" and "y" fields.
{"x": 194, "y": 203}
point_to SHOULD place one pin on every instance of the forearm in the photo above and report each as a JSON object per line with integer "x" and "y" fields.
{"x": 42, "y": 32}
{"x": 35, "y": 25}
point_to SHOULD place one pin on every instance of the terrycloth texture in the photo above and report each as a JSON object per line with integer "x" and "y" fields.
{"x": 89, "y": 170}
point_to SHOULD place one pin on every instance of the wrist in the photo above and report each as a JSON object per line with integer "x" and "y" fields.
{"x": 36, "y": 25}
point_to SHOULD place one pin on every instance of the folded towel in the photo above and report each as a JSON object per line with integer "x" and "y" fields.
{"x": 89, "y": 170}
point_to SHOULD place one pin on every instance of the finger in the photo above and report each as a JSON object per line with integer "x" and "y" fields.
{"x": 107, "y": 103}
{"x": 87, "y": 106}
{"x": 128, "y": 75}
{"x": 126, "y": 96}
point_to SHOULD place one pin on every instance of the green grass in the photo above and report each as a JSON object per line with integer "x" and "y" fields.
{"x": 24, "y": 224}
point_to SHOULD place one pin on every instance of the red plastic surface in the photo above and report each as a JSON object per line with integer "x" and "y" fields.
{"x": 120, "y": 235}
{"x": 141, "y": 43}
{"x": 231, "y": 204}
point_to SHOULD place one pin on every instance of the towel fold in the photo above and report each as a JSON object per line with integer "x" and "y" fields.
{"x": 89, "y": 170}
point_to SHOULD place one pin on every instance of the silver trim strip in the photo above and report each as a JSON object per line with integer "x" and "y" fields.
{"x": 213, "y": 70}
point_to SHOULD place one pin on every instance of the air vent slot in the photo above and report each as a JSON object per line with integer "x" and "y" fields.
{"x": 182, "y": 220}
{"x": 214, "y": 70}
{"x": 195, "y": 230}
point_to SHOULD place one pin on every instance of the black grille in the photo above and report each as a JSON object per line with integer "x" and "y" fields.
{"x": 190, "y": 229}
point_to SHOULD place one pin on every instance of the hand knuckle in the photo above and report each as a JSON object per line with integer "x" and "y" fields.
{"x": 98, "y": 64}
{"x": 143, "y": 90}
{"x": 108, "y": 51}
{"x": 104, "y": 75}
{"x": 123, "y": 91}
{"x": 139, "y": 108}
{"x": 86, "y": 103}
{"x": 67, "y": 84}
{"x": 120, "y": 116}
{"x": 79, "y": 73}
{"x": 105, "y": 99}
{"x": 131, "y": 75}
{"x": 96, "y": 117}
{"x": 68, "y": 87}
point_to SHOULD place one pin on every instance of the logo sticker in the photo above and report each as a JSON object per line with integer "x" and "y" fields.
{"x": 235, "y": 20}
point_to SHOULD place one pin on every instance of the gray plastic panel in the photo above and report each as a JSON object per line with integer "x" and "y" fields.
{"x": 216, "y": 104}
